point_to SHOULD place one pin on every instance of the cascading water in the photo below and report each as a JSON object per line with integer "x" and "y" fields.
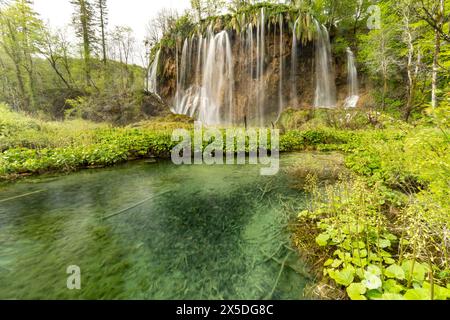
{"x": 294, "y": 65}
{"x": 208, "y": 74}
{"x": 199, "y": 59}
{"x": 153, "y": 71}
{"x": 280, "y": 85}
{"x": 249, "y": 62}
{"x": 353, "y": 90}
{"x": 260, "y": 56}
{"x": 210, "y": 98}
{"x": 218, "y": 82}
{"x": 325, "y": 96}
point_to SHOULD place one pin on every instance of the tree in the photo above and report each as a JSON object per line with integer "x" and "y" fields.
{"x": 439, "y": 16}
{"x": 83, "y": 20}
{"x": 433, "y": 12}
{"x": 404, "y": 10}
{"x": 54, "y": 49}
{"x": 103, "y": 20}
{"x": 207, "y": 8}
{"x": 21, "y": 35}
{"x": 378, "y": 51}
{"x": 198, "y": 8}
{"x": 122, "y": 45}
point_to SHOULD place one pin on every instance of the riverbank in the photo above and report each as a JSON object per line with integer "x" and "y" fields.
{"x": 33, "y": 147}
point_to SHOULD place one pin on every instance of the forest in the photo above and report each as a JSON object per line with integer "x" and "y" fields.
{"x": 359, "y": 91}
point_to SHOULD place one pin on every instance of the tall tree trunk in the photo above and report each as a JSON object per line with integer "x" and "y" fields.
{"x": 84, "y": 17}
{"x": 412, "y": 70}
{"x": 17, "y": 61}
{"x": 25, "y": 103}
{"x": 102, "y": 29}
{"x": 385, "y": 89}
{"x": 437, "y": 52}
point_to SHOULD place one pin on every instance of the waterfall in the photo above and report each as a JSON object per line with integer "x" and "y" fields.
{"x": 280, "y": 85}
{"x": 210, "y": 97}
{"x": 182, "y": 76}
{"x": 218, "y": 82}
{"x": 205, "y": 73}
{"x": 260, "y": 56}
{"x": 325, "y": 96}
{"x": 184, "y": 64}
{"x": 353, "y": 94}
{"x": 251, "y": 104}
{"x": 199, "y": 59}
{"x": 294, "y": 66}
{"x": 153, "y": 71}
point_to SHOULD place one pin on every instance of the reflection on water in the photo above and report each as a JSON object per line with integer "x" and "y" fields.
{"x": 150, "y": 231}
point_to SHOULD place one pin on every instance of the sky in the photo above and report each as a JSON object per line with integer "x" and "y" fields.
{"x": 133, "y": 13}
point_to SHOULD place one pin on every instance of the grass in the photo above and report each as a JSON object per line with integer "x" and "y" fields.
{"x": 30, "y": 146}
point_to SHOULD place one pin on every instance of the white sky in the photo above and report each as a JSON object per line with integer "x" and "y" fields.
{"x": 133, "y": 13}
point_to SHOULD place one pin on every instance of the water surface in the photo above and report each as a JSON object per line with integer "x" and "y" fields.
{"x": 151, "y": 231}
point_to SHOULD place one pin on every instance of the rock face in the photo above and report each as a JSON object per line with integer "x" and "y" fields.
{"x": 284, "y": 76}
{"x": 152, "y": 105}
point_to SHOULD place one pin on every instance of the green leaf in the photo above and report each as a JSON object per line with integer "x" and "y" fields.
{"x": 374, "y": 294}
{"x": 440, "y": 293}
{"x": 373, "y": 269}
{"x": 344, "y": 277}
{"x": 374, "y": 257}
{"x": 395, "y": 271}
{"x": 418, "y": 273}
{"x": 390, "y": 236}
{"x": 328, "y": 263}
{"x": 372, "y": 281}
{"x": 389, "y": 260}
{"x": 392, "y": 296}
{"x": 384, "y": 243}
{"x": 358, "y": 245}
{"x": 418, "y": 294}
{"x": 391, "y": 286}
{"x": 356, "y": 290}
{"x": 303, "y": 214}
{"x": 336, "y": 263}
{"x": 360, "y": 262}
{"x": 322, "y": 239}
{"x": 360, "y": 253}
{"x": 385, "y": 254}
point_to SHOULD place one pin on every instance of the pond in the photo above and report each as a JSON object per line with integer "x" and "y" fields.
{"x": 152, "y": 231}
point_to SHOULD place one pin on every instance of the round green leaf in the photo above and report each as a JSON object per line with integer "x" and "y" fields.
{"x": 395, "y": 271}
{"x": 384, "y": 243}
{"x": 391, "y": 286}
{"x": 419, "y": 270}
{"x": 356, "y": 290}
{"x": 372, "y": 281}
{"x": 392, "y": 296}
{"x": 328, "y": 263}
{"x": 418, "y": 294}
{"x": 344, "y": 277}
{"x": 322, "y": 239}
{"x": 374, "y": 269}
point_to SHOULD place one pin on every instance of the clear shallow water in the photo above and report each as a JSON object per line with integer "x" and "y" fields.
{"x": 151, "y": 231}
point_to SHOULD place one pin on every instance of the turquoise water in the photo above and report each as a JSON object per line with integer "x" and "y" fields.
{"x": 151, "y": 231}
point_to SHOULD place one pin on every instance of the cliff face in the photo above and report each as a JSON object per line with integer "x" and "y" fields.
{"x": 288, "y": 78}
